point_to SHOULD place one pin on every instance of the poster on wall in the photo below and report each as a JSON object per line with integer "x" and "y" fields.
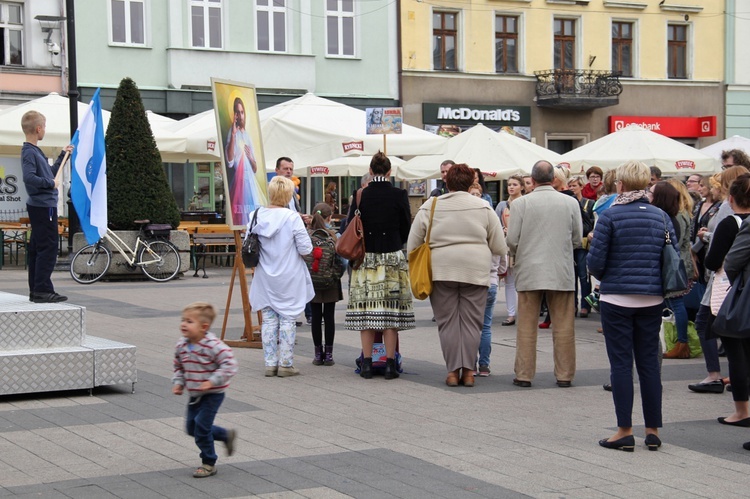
{"x": 12, "y": 191}
{"x": 242, "y": 161}
{"x": 384, "y": 120}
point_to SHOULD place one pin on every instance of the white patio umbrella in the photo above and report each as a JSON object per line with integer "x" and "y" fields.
{"x": 498, "y": 154}
{"x": 312, "y": 130}
{"x": 201, "y": 139}
{"x": 345, "y": 166}
{"x": 636, "y": 143}
{"x": 56, "y": 110}
{"x": 733, "y": 142}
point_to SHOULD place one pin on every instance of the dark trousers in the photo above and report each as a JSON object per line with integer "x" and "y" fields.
{"x": 738, "y": 358}
{"x": 323, "y": 312}
{"x": 42, "y": 250}
{"x": 703, "y": 321}
{"x": 582, "y": 276}
{"x": 633, "y": 333}
{"x": 199, "y": 423}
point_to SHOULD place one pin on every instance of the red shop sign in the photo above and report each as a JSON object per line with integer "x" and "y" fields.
{"x": 670, "y": 126}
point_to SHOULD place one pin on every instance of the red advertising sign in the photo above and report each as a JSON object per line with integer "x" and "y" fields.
{"x": 319, "y": 170}
{"x": 353, "y": 146}
{"x": 670, "y": 126}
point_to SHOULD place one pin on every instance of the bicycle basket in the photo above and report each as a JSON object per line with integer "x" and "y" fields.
{"x": 158, "y": 231}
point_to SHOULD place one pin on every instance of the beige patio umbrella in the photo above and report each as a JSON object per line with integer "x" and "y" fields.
{"x": 56, "y": 110}
{"x": 733, "y": 142}
{"x": 345, "y": 166}
{"x": 636, "y": 143}
{"x": 498, "y": 154}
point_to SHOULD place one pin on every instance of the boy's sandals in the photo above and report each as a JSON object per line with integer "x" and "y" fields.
{"x": 204, "y": 471}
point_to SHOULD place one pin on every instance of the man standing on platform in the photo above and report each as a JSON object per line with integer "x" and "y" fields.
{"x": 544, "y": 229}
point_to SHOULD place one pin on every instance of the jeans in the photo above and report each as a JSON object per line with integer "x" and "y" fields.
{"x": 582, "y": 276}
{"x": 703, "y": 321}
{"x": 199, "y": 423}
{"x": 485, "y": 343}
{"x": 633, "y": 334}
{"x": 677, "y": 306}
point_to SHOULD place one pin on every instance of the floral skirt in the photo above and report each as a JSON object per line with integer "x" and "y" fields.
{"x": 380, "y": 294}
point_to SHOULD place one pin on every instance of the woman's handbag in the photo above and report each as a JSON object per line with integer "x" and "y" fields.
{"x": 251, "y": 245}
{"x": 351, "y": 244}
{"x": 673, "y": 275}
{"x": 720, "y": 286}
{"x": 420, "y": 265}
{"x": 733, "y": 319}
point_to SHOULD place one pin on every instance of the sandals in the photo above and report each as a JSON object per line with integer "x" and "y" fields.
{"x": 204, "y": 471}
{"x": 508, "y": 322}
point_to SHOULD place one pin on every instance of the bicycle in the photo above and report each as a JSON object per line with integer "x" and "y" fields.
{"x": 158, "y": 259}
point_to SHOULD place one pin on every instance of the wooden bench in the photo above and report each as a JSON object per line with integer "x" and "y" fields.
{"x": 212, "y": 244}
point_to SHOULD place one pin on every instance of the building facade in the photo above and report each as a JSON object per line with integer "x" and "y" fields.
{"x": 32, "y": 51}
{"x": 565, "y": 72}
{"x": 172, "y": 48}
{"x": 737, "y": 69}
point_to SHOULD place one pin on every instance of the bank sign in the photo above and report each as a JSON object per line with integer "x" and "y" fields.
{"x": 471, "y": 114}
{"x": 670, "y": 126}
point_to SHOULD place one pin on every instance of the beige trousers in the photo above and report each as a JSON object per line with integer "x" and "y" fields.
{"x": 562, "y": 313}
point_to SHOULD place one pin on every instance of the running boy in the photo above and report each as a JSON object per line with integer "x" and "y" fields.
{"x": 204, "y": 365}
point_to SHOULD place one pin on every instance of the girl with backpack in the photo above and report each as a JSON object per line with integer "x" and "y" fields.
{"x": 324, "y": 302}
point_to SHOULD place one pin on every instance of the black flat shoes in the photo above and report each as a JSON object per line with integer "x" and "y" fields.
{"x": 625, "y": 443}
{"x": 652, "y": 441}
{"x": 508, "y": 322}
{"x": 710, "y": 387}
{"x": 745, "y": 423}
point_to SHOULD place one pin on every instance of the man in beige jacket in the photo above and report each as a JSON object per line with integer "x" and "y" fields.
{"x": 544, "y": 229}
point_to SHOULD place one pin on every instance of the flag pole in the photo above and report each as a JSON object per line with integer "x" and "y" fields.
{"x": 62, "y": 165}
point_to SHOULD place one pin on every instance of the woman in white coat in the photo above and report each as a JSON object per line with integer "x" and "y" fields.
{"x": 283, "y": 240}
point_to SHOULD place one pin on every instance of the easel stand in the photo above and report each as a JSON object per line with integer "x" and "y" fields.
{"x": 251, "y": 334}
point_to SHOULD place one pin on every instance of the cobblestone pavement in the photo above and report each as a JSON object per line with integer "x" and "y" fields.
{"x": 330, "y": 433}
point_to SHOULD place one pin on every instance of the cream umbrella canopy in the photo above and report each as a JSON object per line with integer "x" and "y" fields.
{"x": 345, "y": 166}
{"x": 733, "y": 142}
{"x": 636, "y": 143}
{"x": 498, "y": 154}
{"x": 312, "y": 130}
{"x": 199, "y": 132}
{"x": 56, "y": 110}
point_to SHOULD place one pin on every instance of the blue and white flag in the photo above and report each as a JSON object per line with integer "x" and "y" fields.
{"x": 88, "y": 188}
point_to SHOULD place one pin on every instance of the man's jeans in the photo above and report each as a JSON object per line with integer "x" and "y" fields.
{"x": 199, "y": 423}
{"x": 485, "y": 343}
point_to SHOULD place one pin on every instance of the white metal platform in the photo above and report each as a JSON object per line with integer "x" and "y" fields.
{"x": 44, "y": 347}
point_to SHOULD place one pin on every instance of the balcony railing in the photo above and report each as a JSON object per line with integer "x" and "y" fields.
{"x": 577, "y": 88}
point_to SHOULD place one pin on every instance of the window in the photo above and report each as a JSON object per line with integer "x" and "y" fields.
{"x": 444, "y": 34}
{"x": 128, "y": 21}
{"x": 676, "y": 51}
{"x": 622, "y": 48}
{"x": 565, "y": 44}
{"x": 11, "y": 34}
{"x": 506, "y": 44}
{"x": 340, "y": 26}
{"x": 206, "y": 23}
{"x": 271, "y": 17}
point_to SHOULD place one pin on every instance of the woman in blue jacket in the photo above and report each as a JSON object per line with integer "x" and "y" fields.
{"x": 625, "y": 255}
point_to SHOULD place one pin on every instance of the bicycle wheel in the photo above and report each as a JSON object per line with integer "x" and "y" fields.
{"x": 90, "y": 263}
{"x": 159, "y": 260}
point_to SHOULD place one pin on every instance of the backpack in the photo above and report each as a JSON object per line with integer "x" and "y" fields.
{"x": 323, "y": 263}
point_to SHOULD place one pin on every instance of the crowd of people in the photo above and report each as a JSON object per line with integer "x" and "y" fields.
{"x": 595, "y": 248}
